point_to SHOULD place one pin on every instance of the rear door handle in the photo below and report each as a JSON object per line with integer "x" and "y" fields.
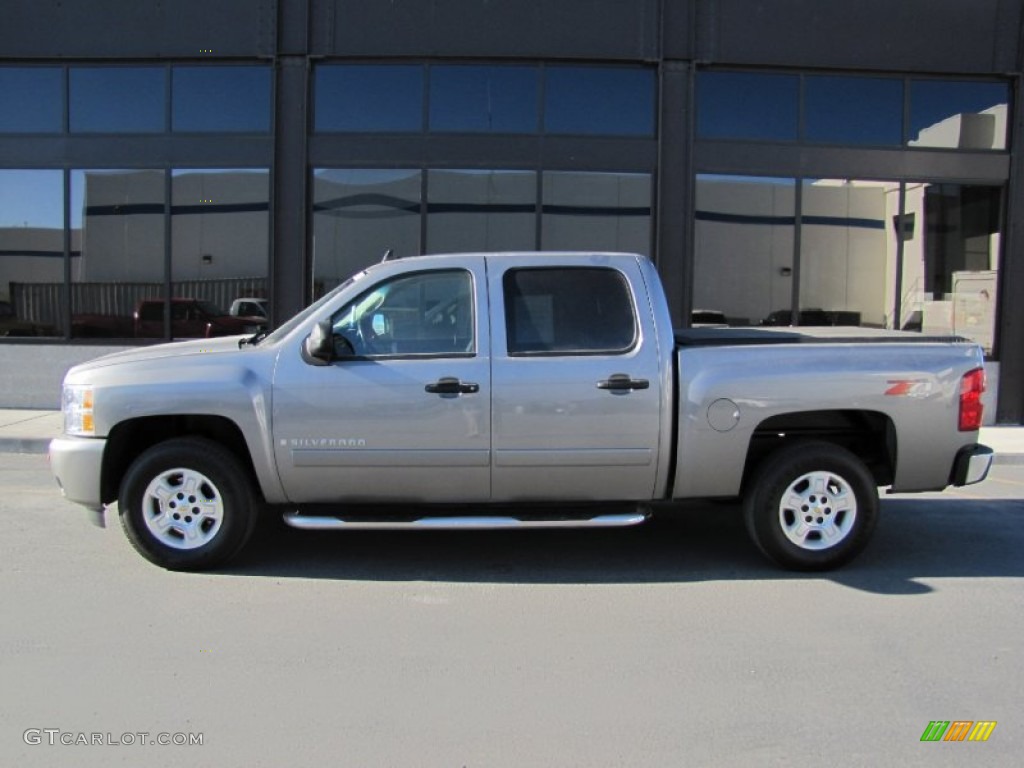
{"x": 623, "y": 382}
{"x": 450, "y": 385}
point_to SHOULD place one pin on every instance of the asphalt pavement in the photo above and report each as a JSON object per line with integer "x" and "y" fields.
{"x": 670, "y": 644}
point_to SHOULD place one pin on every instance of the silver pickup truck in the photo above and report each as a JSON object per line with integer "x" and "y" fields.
{"x": 517, "y": 390}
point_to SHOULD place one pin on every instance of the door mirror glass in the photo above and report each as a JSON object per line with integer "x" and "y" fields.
{"x": 319, "y": 345}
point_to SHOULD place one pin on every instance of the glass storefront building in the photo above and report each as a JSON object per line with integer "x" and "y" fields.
{"x": 783, "y": 164}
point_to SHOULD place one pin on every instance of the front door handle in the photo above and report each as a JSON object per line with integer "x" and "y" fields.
{"x": 623, "y": 382}
{"x": 449, "y": 385}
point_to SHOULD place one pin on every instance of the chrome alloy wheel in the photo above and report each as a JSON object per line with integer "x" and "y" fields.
{"x": 183, "y": 509}
{"x": 818, "y": 510}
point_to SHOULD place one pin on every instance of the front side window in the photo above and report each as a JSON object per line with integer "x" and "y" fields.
{"x": 568, "y": 311}
{"x": 430, "y": 313}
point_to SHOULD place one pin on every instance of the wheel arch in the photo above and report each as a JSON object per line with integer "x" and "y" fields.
{"x": 131, "y": 438}
{"x": 868, "y": 435}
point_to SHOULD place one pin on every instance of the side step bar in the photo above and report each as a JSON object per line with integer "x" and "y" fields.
{"x": 461, "y": 522}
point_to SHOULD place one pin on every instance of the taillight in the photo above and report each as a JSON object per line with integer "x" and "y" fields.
{"x": 972, "y": 385}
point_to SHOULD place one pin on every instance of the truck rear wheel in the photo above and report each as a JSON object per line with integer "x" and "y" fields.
{"x": 187, "y": 504}
{"x": 811, "y": 506}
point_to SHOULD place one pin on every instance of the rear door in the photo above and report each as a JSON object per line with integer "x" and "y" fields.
{"x": 576, "y": 384}
{"x": 405, "y": 415}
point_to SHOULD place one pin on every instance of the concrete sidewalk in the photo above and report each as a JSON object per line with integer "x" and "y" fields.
{"x": 28, "y": 431}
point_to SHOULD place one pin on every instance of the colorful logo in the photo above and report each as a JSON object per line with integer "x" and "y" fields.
{"x": 958, "y": 730}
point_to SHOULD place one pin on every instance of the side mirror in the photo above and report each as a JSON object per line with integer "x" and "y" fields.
{"x": 318, "y": 348}
{"x": 323, "y": 346}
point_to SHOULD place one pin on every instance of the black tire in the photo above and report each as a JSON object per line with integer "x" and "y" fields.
{"x": 187, "y": 504}
{"x": 811, "y": 506}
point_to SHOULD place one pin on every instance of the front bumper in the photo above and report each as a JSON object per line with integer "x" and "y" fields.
{"x": 971, "y": 465}
{"x": 77, "y": 463}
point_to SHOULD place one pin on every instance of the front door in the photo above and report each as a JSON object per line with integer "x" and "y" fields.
{"x": 404, "y": 413}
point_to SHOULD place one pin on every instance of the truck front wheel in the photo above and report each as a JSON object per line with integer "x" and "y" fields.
{"x": 187, "y": 504}
{"x": 811, "y": 506}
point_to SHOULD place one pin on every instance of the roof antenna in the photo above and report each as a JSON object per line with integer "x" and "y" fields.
{"x": 389, "y": 254}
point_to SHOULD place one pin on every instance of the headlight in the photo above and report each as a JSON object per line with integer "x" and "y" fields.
{"x": 78, "y": 411}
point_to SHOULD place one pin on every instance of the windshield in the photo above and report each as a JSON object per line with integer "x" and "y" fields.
{"x": 313, "y": 308}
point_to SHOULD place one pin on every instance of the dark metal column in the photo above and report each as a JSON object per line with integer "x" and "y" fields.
{"x": 674, "y": 214}
{"x": 290, "y": 254}
{"x": 1010, "y": 339}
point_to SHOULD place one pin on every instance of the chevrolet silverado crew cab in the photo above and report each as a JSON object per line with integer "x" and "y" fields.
{"x": 516, "y": 390}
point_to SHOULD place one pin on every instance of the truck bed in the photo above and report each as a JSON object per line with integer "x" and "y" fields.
{"x": 731, "y": 337}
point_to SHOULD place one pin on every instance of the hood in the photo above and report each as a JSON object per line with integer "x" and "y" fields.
{"x": 217, "y": 346}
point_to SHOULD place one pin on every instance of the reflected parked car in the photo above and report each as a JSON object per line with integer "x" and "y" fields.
{"x": 191, "y": 318}
{"x": 249, "y": 306}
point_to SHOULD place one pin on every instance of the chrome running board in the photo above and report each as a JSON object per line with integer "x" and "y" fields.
{"x": 460, "y": 523}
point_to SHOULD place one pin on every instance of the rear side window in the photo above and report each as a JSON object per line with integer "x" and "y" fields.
{"x": 568, "y": 311}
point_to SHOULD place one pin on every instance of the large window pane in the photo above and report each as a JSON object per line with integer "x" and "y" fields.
{"x": 853, "y": 110}
{"x": 117, "y": 99}
{"x": 744, "y": 243}
{"x": 483, "y": 99}
{"x": 369, "y": 98}
{"x": 958, "y": 114}
{"x": 599, "y": 101}
{"x": 220, "y": 251}
{"x": 117, "y": 264}
{"x": 952, "y": 240}
{"x": 31, "y": 252}
{"x": 596, "y": 211}
{"x": 847, "y": 252}
{"x": 481, "y": 211}
{"x": 31, "y": 100}
{"x": 221, "y": 99}
{"x": 740, "y": 105}
{"x": 358, "y": 215}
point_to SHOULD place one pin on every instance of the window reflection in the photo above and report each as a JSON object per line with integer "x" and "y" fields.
{"x": 117, "y": 99}
{"x": 31, "y": 100}
{"x": 847, "y": 252}
{"x": 741, "y": 105}
{"x": 958, "y": 114}
{"x": 220, "y": 248}
{"x": 951, "y": 260}
{"x": 853, "y": 110}
{"x": 744, "y": 239}
{"x": 358, "y": 215}
{"x": 221, "y": 99}
{"x": 31, "y": 252}
{"x": 596, "y": 211}
{"x": 469, "y": 210}
{"x": 593, "y": 101}
{"x": 483, "y": 99}
{"x": 117, "y": 244}
{"x": 369, "y": 97}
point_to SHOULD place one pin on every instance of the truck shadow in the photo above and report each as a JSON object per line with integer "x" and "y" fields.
{"x": 915, "y": 539}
